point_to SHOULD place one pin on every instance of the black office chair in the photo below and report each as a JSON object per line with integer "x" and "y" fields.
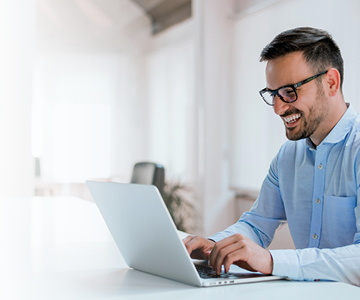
{"x": 149, "y": 173}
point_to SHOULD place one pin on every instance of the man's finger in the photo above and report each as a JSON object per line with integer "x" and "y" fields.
{"x": 198, "y": 247}
{"x": 188, "y": 238}
{"x": 230, "y": 240}
{"x": 224, "y": 256}
{"x": 219, "y": 246}
{"x": 189, "y": 243}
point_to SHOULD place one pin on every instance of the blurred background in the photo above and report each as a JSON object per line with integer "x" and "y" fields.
{"x": 88, "y": 88}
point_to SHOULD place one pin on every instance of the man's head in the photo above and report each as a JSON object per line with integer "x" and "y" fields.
{"x": 304, "y": 73}
{"x": 318, "y": 47}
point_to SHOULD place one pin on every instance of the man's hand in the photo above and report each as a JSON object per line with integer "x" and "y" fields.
{"x": 198, "y": 247}
{"x": 241, "y": 251}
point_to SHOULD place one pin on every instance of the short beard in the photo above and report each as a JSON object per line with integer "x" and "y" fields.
{"x": 317, "y": 114}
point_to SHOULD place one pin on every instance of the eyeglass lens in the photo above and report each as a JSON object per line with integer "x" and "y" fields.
{"x": 287, "y": 94}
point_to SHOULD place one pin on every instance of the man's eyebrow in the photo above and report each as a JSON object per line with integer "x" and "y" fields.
{"x": 286, "y": 85}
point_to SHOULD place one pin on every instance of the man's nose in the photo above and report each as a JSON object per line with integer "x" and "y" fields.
{"x": 280, "y": 106}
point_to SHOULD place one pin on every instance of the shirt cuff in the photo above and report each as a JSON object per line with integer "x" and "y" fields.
{"x": 286, "y": 264}
{"x": 216, "y": 237}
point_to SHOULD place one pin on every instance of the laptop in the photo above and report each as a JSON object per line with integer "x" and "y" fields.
{"x": 148, "y": 240}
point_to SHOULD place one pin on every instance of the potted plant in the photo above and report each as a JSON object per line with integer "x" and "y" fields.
{"x": 176, "y": 196}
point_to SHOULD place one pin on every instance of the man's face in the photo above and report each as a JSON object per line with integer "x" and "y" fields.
{"x": 307, "y": 116}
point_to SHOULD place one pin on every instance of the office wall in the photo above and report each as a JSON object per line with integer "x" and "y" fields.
{"x": 257, "y": 132}
{"x": 17, "y": 35}
{"x": 171, "y": 102}
{"x": 189, "y": 88}
{"x": 89, "y": 90}
{"x": 214, "y": 27}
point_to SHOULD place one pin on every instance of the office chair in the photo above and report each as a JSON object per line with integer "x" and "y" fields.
{"x": 149, "y": 173}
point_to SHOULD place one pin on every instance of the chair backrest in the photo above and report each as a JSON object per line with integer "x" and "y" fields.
{"x": 149, "y": 173}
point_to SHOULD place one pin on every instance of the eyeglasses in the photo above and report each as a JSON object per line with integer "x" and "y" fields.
{"x": 286, "y": 93}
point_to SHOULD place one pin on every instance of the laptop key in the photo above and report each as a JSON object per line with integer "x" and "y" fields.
{"x": 206, "y": 272}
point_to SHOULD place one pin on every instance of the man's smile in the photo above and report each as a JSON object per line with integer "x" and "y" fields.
{"x": 292, "y": 120}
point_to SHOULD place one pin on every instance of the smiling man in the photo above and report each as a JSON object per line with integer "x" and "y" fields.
{"x": 317, "y": 113}
{"x": 313, "y": 182}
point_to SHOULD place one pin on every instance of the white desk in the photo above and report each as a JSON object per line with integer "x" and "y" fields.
{"x": 60, "y": 248}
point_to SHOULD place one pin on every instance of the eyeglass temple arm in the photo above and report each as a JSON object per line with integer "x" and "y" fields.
{"x": 309, "y": 79}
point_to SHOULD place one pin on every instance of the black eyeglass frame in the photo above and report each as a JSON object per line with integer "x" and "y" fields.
{"x": 293, "y": 86}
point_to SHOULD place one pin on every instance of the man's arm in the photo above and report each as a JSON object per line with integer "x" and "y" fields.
{"x": 338, "y": 264}
{"x": 265, "y": 216}
{"x": 243, "y": 243}
{"x": 310, "y": 264}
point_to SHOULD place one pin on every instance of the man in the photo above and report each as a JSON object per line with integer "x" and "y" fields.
{"x": 313, "y": 182}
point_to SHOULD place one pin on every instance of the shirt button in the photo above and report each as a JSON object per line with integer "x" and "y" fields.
{"x": 318, "y": 201}
{"x": 314, "y": 236}
{"x": 320, "y": 166}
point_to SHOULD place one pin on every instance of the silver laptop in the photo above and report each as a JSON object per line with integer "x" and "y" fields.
{"x": 148, "y": 240}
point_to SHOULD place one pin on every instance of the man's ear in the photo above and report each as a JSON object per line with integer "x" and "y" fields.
{"x": 332, "y": 82}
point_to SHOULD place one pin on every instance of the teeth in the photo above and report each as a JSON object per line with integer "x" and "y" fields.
{"x": 292, "y": 118}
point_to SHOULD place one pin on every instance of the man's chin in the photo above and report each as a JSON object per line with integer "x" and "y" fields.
{"x": 292, "y": 135}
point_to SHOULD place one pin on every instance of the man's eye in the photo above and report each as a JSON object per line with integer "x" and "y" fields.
{"x": 288, "y": 92}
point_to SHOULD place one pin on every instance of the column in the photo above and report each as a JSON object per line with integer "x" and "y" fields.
{"x": 214, "y": 27}
{"x": 17, "y": 40}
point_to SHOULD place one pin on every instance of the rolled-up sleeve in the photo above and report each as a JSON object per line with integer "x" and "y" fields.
{"x": 338, "y": 264}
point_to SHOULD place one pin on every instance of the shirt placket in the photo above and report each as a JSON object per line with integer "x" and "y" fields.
{"x": 318, "y": 196}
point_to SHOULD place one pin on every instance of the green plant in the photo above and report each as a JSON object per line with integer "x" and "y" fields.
{"x": 176, "y": 195}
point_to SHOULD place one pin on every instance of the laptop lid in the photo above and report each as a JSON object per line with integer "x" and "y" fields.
{"x": 143, "y": 230}
{"x": 146, "y": 236}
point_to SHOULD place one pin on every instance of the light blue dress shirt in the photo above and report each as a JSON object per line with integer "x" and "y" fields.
{"x": 316, "y": 191}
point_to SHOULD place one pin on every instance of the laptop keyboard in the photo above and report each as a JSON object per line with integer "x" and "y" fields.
{"x": 206, "y": 273}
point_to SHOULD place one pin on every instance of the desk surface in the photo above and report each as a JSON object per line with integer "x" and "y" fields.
{"x": 60, "y": 248}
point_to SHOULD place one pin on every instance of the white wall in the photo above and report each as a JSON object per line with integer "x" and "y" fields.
{"x": 189, "y": 88}
{"x": 17, "y": 37}
{"x": 257, "y": 132}
{"x": 90, "y": 85}
{"x": 171, "y": 102}
{"x": 214, "y": 29}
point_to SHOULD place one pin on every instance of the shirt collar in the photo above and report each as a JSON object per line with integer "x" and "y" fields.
{"x": 340, "y": 130}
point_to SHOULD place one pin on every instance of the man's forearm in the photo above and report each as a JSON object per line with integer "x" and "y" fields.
{"x": 338, "y": 264}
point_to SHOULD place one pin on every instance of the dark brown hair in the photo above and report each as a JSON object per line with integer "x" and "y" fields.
{"x": 319, "y": 49}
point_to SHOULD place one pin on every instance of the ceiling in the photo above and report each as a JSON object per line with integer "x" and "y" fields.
{"x": 165, "y": 13}
{"x": 104, "y": 25}
{"x": 111, "y": 24}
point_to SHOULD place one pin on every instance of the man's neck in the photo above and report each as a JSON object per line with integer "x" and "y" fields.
{"x": 336, "y": 116}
